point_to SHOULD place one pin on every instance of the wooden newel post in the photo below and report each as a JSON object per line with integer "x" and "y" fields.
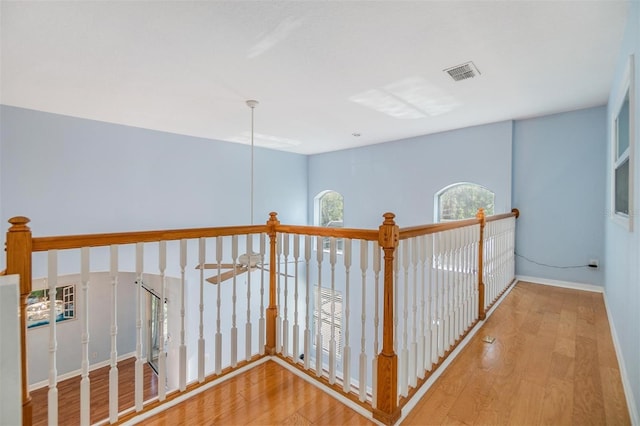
{"x": 272, "y": 310}
{"x": 387, "y": 410}
{"x": 19, "y": 262}
{"x": 481, "y": 217}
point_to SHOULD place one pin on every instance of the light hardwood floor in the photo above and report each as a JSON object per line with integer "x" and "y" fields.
{"x": 552, "y": 363}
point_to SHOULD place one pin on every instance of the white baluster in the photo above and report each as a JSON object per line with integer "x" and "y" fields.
{"x": 307, "y": 304}
{"x": 278, "y": 291}
{"x": 332, "y": 340}
{"x": 139, "y": 373}
{"x": 285, "y": 321}
{"x": 376, "y": 323}
{"x": 422, "y": 341}
{"x": 440, "y": 295}
{"x": 248, "y": 330}
{"x": 403, "y": 360}
{"x": 319, "y": 253}
{"x": 218, "y": 338}
{"x": 261, "y": 324}
{"x": 52, "y": 394}
{"x": 362, "y": 378}
{"x": 346, "y": 351}
{"x": 85, "y": 388}
{"x": 295, "y": 350}
{"x": 413, "y": 350}
{"x": 162, "y": 357}
{"x": 201, "y": 260}
{"x": 113, "y": 370}
{"x": 430, "y": 344}
{"x": 182, "y": 357}
{"x": 446, "y": 290}
{"x": 234, "y": 328}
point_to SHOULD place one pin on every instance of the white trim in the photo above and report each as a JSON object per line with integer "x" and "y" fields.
{"x": 78, "y": 372}
{"x": 410, "y": 405}
{"x": 563, "y": 284}
{"x": 626, "y": 384}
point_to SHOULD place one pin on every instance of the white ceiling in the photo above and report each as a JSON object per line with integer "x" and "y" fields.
{"x": 322, "y": 70}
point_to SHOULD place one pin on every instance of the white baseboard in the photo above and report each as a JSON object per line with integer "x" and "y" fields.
{"x": 78, "y": 372}
{"x": 626, "y": 385}
{"x": 563, "y": 284}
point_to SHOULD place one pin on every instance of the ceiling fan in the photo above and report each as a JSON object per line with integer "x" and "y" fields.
{"x": 247, "y": 262}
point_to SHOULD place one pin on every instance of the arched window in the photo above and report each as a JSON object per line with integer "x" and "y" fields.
{"x": 329, "y": 212}
{"x": 462, "y": 201}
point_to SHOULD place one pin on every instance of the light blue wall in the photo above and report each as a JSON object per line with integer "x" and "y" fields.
{"x": 622, "y": 247}
{"x": 71, "y": 175}
{"x": 403, "y": 176}
{"x": 559, "y": 185}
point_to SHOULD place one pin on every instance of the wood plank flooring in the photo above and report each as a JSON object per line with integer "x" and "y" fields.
{"x": 552, "y": 363}
{"x": 69, "y": 394}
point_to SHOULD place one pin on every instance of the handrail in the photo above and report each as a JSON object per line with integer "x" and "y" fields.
{"x": 98, "y": 240}
{"x": 354, "y": 233}
{"x": 434, "y": 228}
{"x": 514, "y": 213}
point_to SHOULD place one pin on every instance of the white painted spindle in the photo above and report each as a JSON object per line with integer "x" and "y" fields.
{"x": 364, "y": 265}
{"x": 424, "y": 316}
{"x": 248, "y": 328}
{"x": 413, "y": 349}
{"x": 52, "y": 394}
{"x": 285, "y": 320}
{"x": 278, "y": 291}
{"x": 307, "y": 304}
{"x": 113, "y": 370}
{"x": 346, "y": 351}
{"x": 332, "y": 340}
{"x": 182, "y": 357}
{"x": 234, "y": 328}
{"x": 403, "y": 359}
{"x": 201, "y": 261}
{"x": 261, "y": 322}
{"x": 295, "y": 350}
{"x": 85, "y": 388}
{"x": 139, "y": 373}
{"x": 319, "y": 255}
{"x": 162, "y": 358}
{"x": 376, "y": 324}
{"x": 218, "y": 336}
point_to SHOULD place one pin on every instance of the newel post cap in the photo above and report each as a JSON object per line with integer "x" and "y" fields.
{"x": 19, "y": 224}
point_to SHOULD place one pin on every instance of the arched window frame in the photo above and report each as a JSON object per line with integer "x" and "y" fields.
{"x": 438, "y": 195}
{"x": 317, "y": 217}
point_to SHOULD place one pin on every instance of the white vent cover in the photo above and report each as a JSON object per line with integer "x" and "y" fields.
{"x": 463, "y": 71}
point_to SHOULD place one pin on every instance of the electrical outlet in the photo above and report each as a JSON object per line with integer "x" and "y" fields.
{"x": 593, "y": 263}
{"x": 94, "y": 355}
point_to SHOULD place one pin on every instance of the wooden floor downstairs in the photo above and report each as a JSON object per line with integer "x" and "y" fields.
{"x": 552, "y": 362}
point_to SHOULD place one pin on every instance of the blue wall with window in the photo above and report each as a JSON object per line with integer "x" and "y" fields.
{"x": 403, "y": 176}
{"x": 622, "y": 246}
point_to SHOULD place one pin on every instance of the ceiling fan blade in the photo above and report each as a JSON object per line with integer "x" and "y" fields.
{"x": 217, "y": 279}
{"x": 215, "y": 266}
{"x": 281, "y": 273}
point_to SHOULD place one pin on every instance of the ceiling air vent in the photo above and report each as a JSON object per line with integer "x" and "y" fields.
{"x": 462, "y": 72}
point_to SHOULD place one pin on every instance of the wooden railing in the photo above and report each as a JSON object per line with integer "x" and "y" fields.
{"x": 370, "y": 313}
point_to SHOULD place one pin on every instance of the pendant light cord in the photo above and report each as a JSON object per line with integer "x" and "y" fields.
{"x": 251, "y": 104}
{"x": 251, "y": 207}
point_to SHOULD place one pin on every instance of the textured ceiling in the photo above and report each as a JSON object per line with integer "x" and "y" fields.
{"x": 322, "y": 70}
